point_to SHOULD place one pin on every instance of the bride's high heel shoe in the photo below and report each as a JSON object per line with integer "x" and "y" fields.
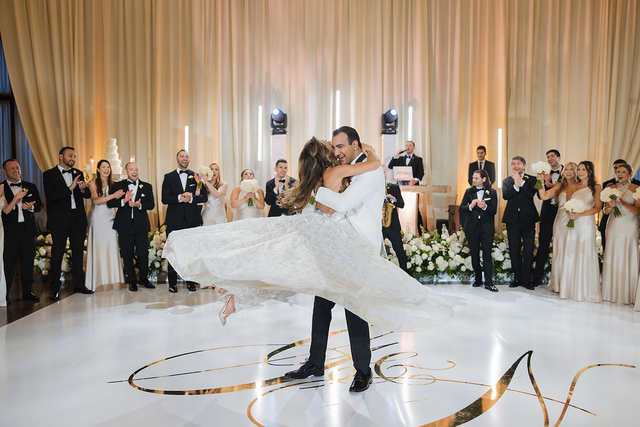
{"x": 227, "y": 299}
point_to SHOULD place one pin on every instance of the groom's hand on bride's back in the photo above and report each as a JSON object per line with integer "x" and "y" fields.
{"x": 324, "y": 209}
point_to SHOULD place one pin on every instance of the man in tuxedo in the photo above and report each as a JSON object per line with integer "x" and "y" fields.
{"x": 20, "y": 228}
{"x": 179, "y": 194}
{"x": 273, "y": 191}
{"x": 602, "y": 227}
{"x": 65, "y": 191}
{"x": 482, "y": 164}
{"x": 481, "y": 204}
{"x": 407, "y": 157}
{"x": 394, "y": 232}
{"x": 520, "y": 216}
{"x": 362, "y": 201}
{"x": 132, "y": 224}
{"x": 547, "y": 215}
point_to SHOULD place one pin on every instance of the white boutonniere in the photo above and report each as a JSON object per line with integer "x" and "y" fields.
{"x": 191, "y": 177}
{"x": 486, "y": 192}
{"x": 140, "y": 186}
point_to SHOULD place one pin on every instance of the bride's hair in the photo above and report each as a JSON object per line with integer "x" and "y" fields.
{"x": 315, "y": 158}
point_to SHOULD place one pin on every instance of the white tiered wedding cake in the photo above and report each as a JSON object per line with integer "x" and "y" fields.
{"x": 112, "y": 156}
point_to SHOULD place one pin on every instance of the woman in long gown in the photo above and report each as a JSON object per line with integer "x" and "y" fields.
{"x": 104, "y": 267}
{"x": 559, "y": 192}
{"x": 3, "y": 283}
{"x": 580, "y": 275}
{"x": 239, "y": 255}
{"x": 240, "y": 200}
{"x": 637, "y": 306}
{"x": 621, "y": 258}
{"x": 213, "y": 211}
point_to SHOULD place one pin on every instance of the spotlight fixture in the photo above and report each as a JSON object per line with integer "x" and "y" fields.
{"x": 278, "y": 122}
{"x": 390, "y": 122}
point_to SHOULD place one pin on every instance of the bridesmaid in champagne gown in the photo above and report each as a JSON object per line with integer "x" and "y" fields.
{"x": 213, "y": 211}
{"x": 621, "y": 258}
{"x": 580, "y": 275}
{"x": 239, "y": 200}
{"x": 3, "y": 283}
{"x": 104, "y": 267}
{"x": 559, "y": 192}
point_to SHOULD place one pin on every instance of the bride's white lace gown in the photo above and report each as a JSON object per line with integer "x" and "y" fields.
{"x": 324, "y": 256}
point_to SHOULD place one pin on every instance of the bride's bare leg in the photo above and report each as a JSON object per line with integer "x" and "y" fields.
{"x": 231, "y": 307}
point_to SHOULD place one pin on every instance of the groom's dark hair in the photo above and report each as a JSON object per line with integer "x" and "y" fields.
{"x": 352, "y": 134}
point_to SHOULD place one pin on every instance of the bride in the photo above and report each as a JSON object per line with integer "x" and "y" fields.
{"x": 326, "y": 256}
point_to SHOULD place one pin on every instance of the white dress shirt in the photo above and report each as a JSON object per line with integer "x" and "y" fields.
{"x": 14, "y": 190}
{"x": 183, "y": 180}
{"x": 69, "y": 180}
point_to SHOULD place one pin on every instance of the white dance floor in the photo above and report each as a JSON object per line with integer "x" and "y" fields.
{"x": 157, "y": 359}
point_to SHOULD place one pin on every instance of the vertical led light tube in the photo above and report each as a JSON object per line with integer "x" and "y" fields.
{"x": 337, "y": 109}
{"x": 499, "y": 178}
{"x": 186, "y": 138}
{"x": 259, "y": 133}
{"x": 410, "y": 125}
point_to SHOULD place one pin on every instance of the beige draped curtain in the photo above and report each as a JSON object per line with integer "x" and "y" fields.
{"x": 553, "y": 74}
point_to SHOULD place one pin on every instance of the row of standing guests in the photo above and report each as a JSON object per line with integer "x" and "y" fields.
{"x": 575, "y": 268}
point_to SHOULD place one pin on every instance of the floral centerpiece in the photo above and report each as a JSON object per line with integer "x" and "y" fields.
{"x": 42, "y": 260}
{"x": 248, "y": 186}
{"x": 612, "y": 193}
{"x": 574, "y": 206}
{"x": 540, "y": 168}
{"x": 157, "y": 240}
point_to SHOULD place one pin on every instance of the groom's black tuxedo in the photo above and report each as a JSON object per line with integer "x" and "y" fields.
{"x": 20, "y": 237}
{"x": 520, "y": 216}
{"x": 132, "y": 225}
{"x": 479, "y": 229}
{"x": 64, "y": 223}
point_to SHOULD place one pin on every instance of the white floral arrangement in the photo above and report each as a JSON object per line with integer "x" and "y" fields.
{"x": 611, "y": 193}
{"x": 574, "y": 206}
{"x": 42, "y": 260}
{"x": 540, "y": 168}
{"x": 88, "y": 172}
{"x": 157, "y": 240}
{"x": 204, "y": 171}
{"x": 248, "y": 186}
{"x": 636, "y": 194}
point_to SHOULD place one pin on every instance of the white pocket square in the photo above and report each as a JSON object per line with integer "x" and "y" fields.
{"x": 141, "y": 196}
{"x": 489, "y": 198}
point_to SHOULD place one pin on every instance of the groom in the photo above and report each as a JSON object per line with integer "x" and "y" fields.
{"x": 362, "y": 201}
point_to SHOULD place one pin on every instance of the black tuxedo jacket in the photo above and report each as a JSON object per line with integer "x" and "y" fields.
{"x": 520, "y": 202}
{"x": 416, "y": 164}
{"x": 10, "y": 221}
{"x": 177, "y": 212}
{"x": 490, "y": 167}
{"x": 122, "y": 221}
{"x": 394, "y": 190}
{"x": 546, "y": 204}
{"x": 479, "y": 218}
{"x": 57, "y": 195}
{"x": 270, "y": 197}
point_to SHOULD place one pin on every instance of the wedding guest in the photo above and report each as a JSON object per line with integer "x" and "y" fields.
{"x": 3, "y": 283}
{"x": 520, "y": 216}
{"x": 65, "y": 191}
{"x": 407, "y": 157}
{"x": 482, "y": 164}
{"x": 602, "y": 227}
{"x": 132, "y": 224}
{"x": 481, "y": 204}
{"x": 621, "y": 259}
{"x": 560, "y": 230}
{"x": 580, "y": 276}
{"x": 393, "y": 232}
{"x": 547, "y": 216}
{"x": 214, "y": 211}
{"x": 20, "y": 228}
{"x": 178, "y": 193}
{"x": 273, "y": 191}
{"x": 240, "y": 199}
{"x": 104, "y": 267}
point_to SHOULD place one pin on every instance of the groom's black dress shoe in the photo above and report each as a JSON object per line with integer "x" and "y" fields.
{"x": 477, "y": 283}
{"x": 31, "y": 297}
{"x": 173, "y": 288}
{"x": 191, "y": 286}
{"x": 490, "y": 287}
{"x": 305, "y": 371}
{"x": 361, "y": 382}
{"x": 84, "y": 290}
{"x": 515, "y": 284}
{"x": 147, "y": 284}
{"x": 529, "y": 286}
{"x": 55, "y": 296}
{"x": 133, "y": 287}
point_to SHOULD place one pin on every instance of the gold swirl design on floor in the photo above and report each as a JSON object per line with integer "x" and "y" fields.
{"x": 464, "y": 415}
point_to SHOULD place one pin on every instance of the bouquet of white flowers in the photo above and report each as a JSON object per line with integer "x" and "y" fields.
{"x": 204, "y": 171}
{"x": 248, "y": 186}
{"x": 611, "y": 193}
{"x": 88, "y": 172}
{"x": 540, "y": 168}
{"x": 574, "y": 206}
{"x": 636, "y": 195}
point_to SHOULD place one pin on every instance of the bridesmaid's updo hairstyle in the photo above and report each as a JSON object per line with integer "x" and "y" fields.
{"x": 99, "y": 183}
{"x": 627, "y": 167}
{"x": 591, "y": 180}
{"x": 242, "y": 174}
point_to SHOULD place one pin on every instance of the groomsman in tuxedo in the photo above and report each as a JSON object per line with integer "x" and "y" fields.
{"x": 65, "y": 191}
{"x": 482, "y": 164}
{"x": 520, "y": 216}
{"x": 275, "y": 186}
{"x": 547, "y": 215}
{"x": 178, "y": 193}
{"x": 132, "y": 224}
{"x": 394, "y": 232}
{"x": 602, "y": 227}
{"x": 20, "y": 227}
{"x": 407, "y": 157}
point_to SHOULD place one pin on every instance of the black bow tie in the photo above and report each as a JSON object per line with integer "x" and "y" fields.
{"x": 183, "y": 171}
{"x": 282, "y": 180}
{"x": 479, "y": 189}
{"x": 131, "y": 182}
{"x": 67, "y": 171}
{"x": 18, "y": 184}
{"x": 556, "y": 172}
